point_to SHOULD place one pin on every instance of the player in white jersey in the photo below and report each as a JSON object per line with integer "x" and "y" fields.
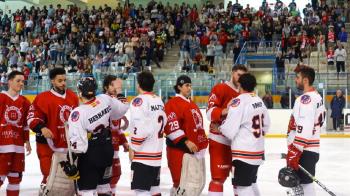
{"x": 304, "y": 137}
{"x": 246, "y": 124}
{"x": 147, "y": 121}
{"x": 90, "y": 138}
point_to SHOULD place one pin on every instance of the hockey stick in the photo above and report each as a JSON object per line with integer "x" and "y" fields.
{"x": 315, "y": 180}
{"x": 71, "y": 161}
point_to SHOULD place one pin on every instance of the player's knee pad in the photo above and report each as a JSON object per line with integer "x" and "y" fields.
{"x": 309, "y": 189}
{"x": 216, "y": 185}
{"x": 14, "y": 177}
{"x": 243, "y": 190}
{"x": 142, "y": 193}
{"x": 103, "y": 189}
{"x": 87, "y": 193}
{"x": 155, "y": 190}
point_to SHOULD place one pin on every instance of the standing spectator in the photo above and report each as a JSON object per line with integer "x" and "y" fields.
{"x": 337, "y": 106}
{"x": 343, "y": 36}
{"x": 268, "y": 100}
{"x": 340, "y": 58}
{"x": 211, "y": 53}
{"x": 219, "y": 55}
{"x": 236, "y": 51}
{"x": 280, "y": 67}
{"x": 184, "y": 47}
{"x": 285, "y": 99}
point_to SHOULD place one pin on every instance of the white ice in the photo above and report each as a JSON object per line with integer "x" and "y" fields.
{"x": 332, "y": 170}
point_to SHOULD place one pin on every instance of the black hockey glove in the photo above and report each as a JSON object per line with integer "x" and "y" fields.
{"x": 70, "y": 170}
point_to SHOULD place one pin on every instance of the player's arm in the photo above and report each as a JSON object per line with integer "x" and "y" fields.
{"x": 77, "y": 133}
{"x": 214, "y": 110}
{"x": 118, "y": 106}
{"x": 230, "y": 126}
{"x": 26, "y": 128}
{"x": 37, "y": 117}
{"x": 173, "y": 131}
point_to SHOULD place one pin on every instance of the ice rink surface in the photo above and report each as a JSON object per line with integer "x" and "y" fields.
{"x": 333, "y": 170}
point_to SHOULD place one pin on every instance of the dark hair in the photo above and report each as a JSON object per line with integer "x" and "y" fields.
{"x": 181, "y": 80}
{"x": 306, "y": 72}
{"x": 56, "y": 71}
{"x": 107, "y": 81}
{"x": 247, "y": 82}
{"x": 146, "y": 81}
{"x": 13, "y": 74}
{"x": 239, "y": 67}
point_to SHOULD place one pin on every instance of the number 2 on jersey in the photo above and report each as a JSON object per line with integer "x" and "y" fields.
{"x": 161, "y": 131}
{"x": 257, "y": 123}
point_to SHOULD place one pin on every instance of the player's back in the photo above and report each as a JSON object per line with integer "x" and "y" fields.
{"x": 250, "y": 114}
{"x": 147, "y": 121}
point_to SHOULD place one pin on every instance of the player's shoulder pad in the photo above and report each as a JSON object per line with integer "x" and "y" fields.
{"x": 305, "y": 99}
{"x": 235, "y": 102}
{"x": 137, "y": 101}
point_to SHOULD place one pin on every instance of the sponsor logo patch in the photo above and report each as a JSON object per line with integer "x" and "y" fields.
{"x": 75, "y": 116}
{"x": 305, "y": 99}
{"x": 235, "y": 102}
{"x": 137, "y": 102}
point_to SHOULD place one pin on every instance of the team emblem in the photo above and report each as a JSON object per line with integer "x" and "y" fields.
{"x": 197, "y": 118}
{"x": 235, "y": 102}
{"x": 64, "y": 113}
{"x": 13, "y": 115}
{"x": 75, "y": 116}
{"x": 305, "y": 99}
{"x": 137, "y": 102}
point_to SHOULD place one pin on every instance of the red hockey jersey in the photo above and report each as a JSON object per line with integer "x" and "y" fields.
{"x": 184, "y": 120}
{"x": 219, "y": 98}
{"x": 13, "y": 129}
{"x": 51, "y": 109}
{"x": 118, "y": 137}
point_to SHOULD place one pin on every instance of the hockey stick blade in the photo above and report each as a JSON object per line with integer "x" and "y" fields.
{"x": 315, "y": 180}
{"x": 274, "y": 156}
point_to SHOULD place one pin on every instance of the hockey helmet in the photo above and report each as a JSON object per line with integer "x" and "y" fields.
{"x": 87, "y": 86}
{"x": 287, "y": 177}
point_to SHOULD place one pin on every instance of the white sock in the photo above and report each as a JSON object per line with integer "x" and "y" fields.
{"x": 87, "y": 193}
{"x": 142, "y": 193}
{"x": 309, "y": 189}
{"x": 244, "y": 190}
{"x": 256, "y": 189}
{"x": 215, "y": 193}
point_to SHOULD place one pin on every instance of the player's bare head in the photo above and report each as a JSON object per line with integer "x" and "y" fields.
{"x": 237, "y": 71}
{"x": 247, "y": 82}
{"x": 145, "y": 81}
{"x": 16, "y": 81}
{"x": 112, "y": 85}
{"x": 58, "y": 79}
{"x": 183, "y": 85}
{"x": 305, "y": 76}
{"x": 87, "y": 87}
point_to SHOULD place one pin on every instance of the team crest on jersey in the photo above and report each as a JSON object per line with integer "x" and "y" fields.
{"x": 75, "y": 116}
{"x": 235, "y": 102}
{"x": 197, "y": 118}
{"x": 137, "y": 102}
{"x": 64, "y": 113}
{"x": 12, "y": 115}
{"x": 305, "y": 99}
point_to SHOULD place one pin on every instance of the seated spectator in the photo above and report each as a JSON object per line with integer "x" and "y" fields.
{"x": 267, "y": 99}
{"x": 330, "y": 56}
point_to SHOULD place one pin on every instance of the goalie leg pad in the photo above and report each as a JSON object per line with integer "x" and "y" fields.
{"x": 192, "y": 179}
{"x": 57, "y": 182}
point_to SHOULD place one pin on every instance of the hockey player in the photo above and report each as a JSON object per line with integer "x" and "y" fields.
{"x": 90, "y": 139}
{"x": 14, "y": 133}
{"x": 147, "y": 121}
{"x": 219, "y": 146}
{"x": 112, "y": 86}
{"x": 185, "y": 135}
{"x": 306, "y": 121}
{"x": 246, "y": 124}
{"x": 47, "y": 115}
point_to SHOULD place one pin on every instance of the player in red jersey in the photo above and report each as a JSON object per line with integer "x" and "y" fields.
{"x": 219, "y": 146}
{"x": 184, "y": 132}
{"x": 113, "y": 86}
{"x": 47, "y": 115}
{"x": 14, "y": 133}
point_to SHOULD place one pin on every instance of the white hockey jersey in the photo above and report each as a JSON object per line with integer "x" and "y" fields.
{"x": 246, "y": 124}
{"x": 309, "y": 115}
{"x": 91, "y": 117}
{"x": 146, "y": 127}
